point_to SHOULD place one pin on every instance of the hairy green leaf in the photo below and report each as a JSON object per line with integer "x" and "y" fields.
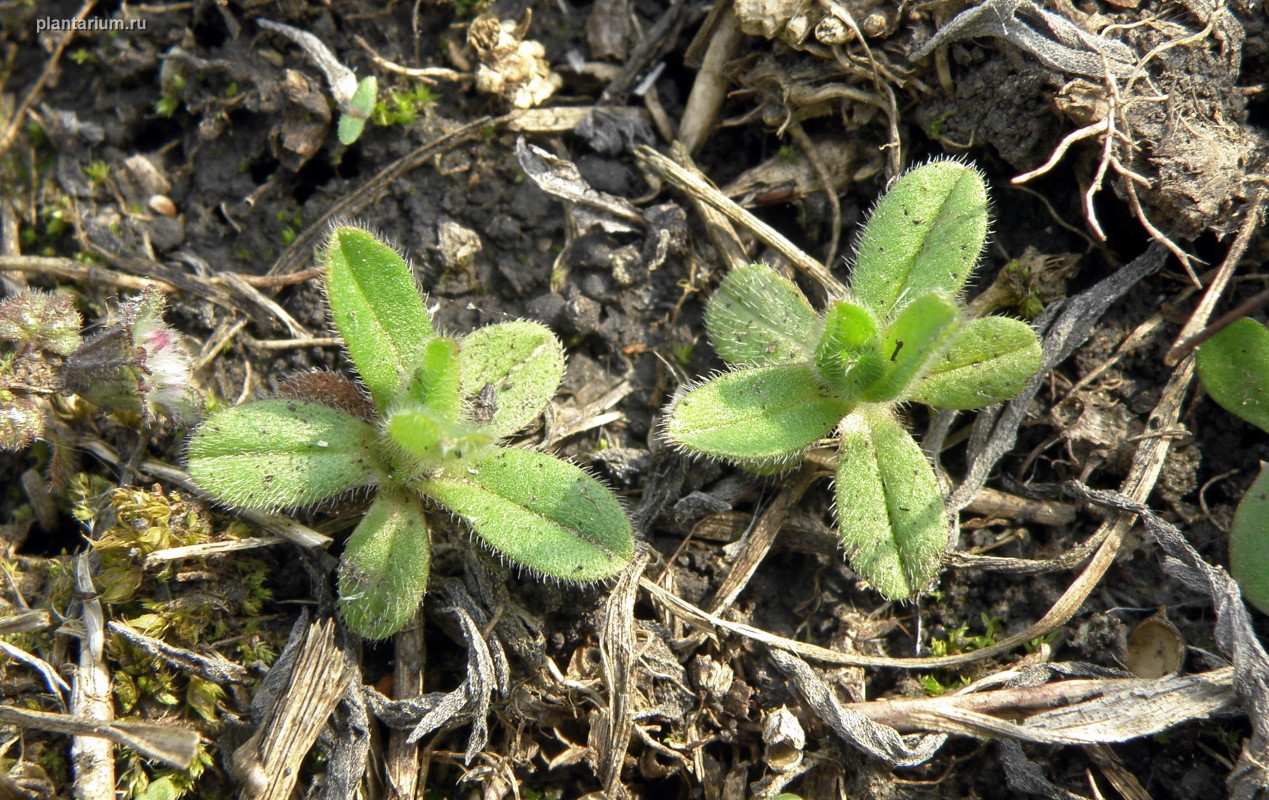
{"x": 432, "y": 437}
{"x": 926, "y": 233}
{"x": 992, "y": 359}
{"x": 755, "y": 416}
{"x": 1249, "y": 542}
{"x": 538, "y": 511}
{"x": 279, "y": 453}
{"x": 889, "y": 509}
{"x": 757, "y": 317}
{"x": 383, "y": 572}
{"x": 376, "y": 308}
{"x": 510, "y": 371}
{"x": 436, "y": 382}
{"x": 913, "y": 343}
{"x": 1234, "y": 367}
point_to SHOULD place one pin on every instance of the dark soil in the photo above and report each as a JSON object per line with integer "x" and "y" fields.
{"x": 234, "y": 126}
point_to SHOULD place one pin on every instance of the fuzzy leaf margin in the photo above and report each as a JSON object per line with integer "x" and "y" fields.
{"x": 758, "y": 317}
{"x": 991, "y": 360}
{"x": 521, "y": 362}
{"x": 385, "y": 566}
{"x": 756, "y": 416}
{"x": 377, "y": 309}
{"x": 281, "y": 453}
{"x": 890, "y": 512}
{"x": 926, "y": 233}
{"x": 542, "y": 513}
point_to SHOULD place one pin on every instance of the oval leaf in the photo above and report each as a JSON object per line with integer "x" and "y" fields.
{"x": 350, "y": 128}
{"x": 542, "y": 513}
{"x": 353, "y": 121}
{"x": 1249, "y": 542}
{"x": 383, "y": 572}
{"x": 510, "y": 371}
{"x": 756, "y": 416}
{"x": 889, "y": 510}
{"x": 926, "y": 233}
{"x": 377, "y": 309}
{"x": 992, "y": 359}
{"x": 758, "y": 317}
{"x": 1234, "y": 367}
{"x": 281, "y": 453}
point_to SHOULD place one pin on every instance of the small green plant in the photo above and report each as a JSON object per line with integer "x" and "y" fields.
{"x": 356, "y": 99}
{"x": 406, "y": 105}
{"x": 97, "y": 171}
{"x": 899, "y": 336}
{"x": 425, "y": 438}
{"x": 135, "y": 363}
{"x": 960, "y": 640}
{"x": 356, "y": 110}
{"x": 1234, "y": 368}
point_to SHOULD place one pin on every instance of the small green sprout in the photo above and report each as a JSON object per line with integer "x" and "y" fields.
{"x": 97, "y": 171}
{"x": 356, "y": 99}
{"x": 406, "y": 105}
{"x": 357, "y": 110}
{"x": 899, "y": 336}
{"x": 425, "y": 438}
{"x": 1234, "y": 368}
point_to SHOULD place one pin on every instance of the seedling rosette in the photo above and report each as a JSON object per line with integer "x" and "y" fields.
{"x": 900, "y": 336}
{"x": 421, "y": 443}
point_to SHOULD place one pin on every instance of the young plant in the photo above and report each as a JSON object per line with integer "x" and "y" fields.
{"x": 426, "y": 438}
{"x": 1234, "y": 368}
{"x": 356, "y": 99}
{"x": 135, "y": 363}
{"x": 899, "y": 336}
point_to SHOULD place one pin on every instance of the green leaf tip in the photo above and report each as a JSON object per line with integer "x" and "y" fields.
{"x": 757, "y": 317}
{"x": 922, "y": 332}
{"x": 848, "y": 356}
{"x": 926, "y": 233}
{"x": 352, "y": 122}
{"x": 1234, "y": 368}
{"x": 990, "y": 360}
{"x": 281, "y": 453}
{"x": 377, "y": 309}
{"x": 433, "y": 438}
{"x": 510, "y": 371}
{"x": 436, "y": 382}
{"x": 1249, "y": 542}
{"x": 890, "y": 511}
{"x": 384, "y": 569}
{"x": 542, "y": 513}
{"x": 756, "y": 416}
